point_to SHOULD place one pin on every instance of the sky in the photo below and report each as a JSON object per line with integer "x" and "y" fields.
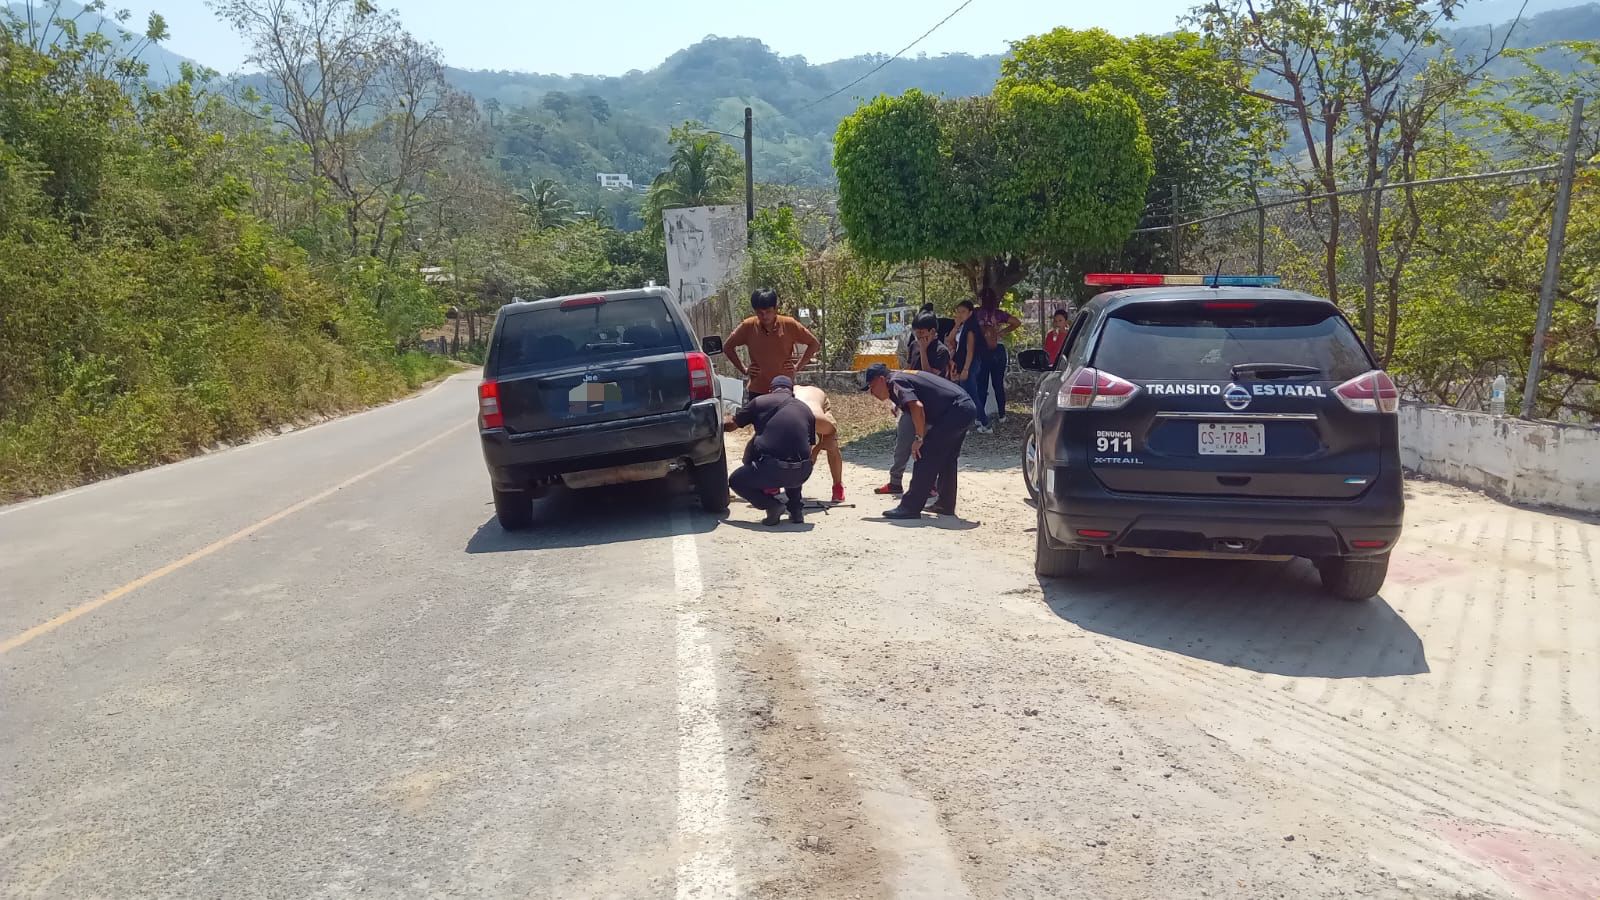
{"x": 613, "y": 37}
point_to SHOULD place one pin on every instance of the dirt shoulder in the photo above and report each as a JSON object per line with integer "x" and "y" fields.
{"x": 1176, "y": 728}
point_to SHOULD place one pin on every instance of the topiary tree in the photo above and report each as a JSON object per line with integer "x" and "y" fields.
{"x": 1210, "y": 142}
{"x": 993, "y": 184}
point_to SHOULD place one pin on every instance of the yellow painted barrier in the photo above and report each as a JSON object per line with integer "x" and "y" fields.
{"x": 863, "y": 360}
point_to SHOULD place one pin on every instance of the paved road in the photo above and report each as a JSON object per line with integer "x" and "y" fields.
{"x": 315, "y": 667}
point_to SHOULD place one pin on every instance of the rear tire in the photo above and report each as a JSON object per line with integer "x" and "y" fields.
{"x": 1030, "y": 462}
{"x": 1353, "y": 578}
{"x": 711, "y": 485}
{"x": 514, "y": 509}
{"x": 1050, "y": 562}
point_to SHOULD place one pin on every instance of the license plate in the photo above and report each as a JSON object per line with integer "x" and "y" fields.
{"x": 1218, "y": 439}
{"x": 593, "y": 397}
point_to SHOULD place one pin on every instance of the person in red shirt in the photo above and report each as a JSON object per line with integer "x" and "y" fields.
{"x": 1056, "y": 337}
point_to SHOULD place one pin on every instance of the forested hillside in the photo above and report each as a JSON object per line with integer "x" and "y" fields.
{"x": 550, "y": 126}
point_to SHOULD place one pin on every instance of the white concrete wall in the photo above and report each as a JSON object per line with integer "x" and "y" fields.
{"x": 1524, "y": 462}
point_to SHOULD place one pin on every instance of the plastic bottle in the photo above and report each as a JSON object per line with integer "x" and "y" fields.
{"x": 1497, "y": 396}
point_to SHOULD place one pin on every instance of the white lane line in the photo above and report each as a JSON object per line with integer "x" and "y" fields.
{"x": 225, "y": 452}
{"x": 705, "y": 868}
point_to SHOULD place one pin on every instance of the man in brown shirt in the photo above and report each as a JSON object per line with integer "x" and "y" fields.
{"x": 770, "y": 340}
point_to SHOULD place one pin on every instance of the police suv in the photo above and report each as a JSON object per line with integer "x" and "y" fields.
{"x": 1217, "y": 417}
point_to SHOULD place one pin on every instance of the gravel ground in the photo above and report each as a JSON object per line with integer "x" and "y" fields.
{"x": 1173, "y": 728}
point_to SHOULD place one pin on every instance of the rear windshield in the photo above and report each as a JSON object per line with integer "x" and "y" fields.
{"x": 558, "y": 337}
{"x": 1178, "y": 344}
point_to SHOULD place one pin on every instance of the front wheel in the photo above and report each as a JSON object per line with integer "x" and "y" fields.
{"x": 1353, "y": 578}
{"x": 514, "y": 509}
{"x": 1048, "y": 561}
{"x": 711, "y": 485}
{"x": 1030, "y": 462}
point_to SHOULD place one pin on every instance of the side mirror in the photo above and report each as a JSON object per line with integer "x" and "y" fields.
{"x": 1033, "y": 360}
{"x": 711, "y": 345}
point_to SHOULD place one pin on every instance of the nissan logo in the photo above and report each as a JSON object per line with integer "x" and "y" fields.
{"x": 1236, "y": 397}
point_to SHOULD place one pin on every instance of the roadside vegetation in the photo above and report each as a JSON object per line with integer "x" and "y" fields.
{"x": 193, "y": 263}
{"x": 1344, "y": 103}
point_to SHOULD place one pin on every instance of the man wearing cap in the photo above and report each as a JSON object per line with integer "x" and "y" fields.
{"x": 941, "y": 411}
{"x": 771, "y": 341}
{"x": 780, "y": 454}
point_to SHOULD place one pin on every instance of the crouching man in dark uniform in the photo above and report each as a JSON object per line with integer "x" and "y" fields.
{"x": 780, "y": 454}
{"x": 941, "y": 412}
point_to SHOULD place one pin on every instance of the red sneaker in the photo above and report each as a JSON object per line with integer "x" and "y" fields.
{"x": 838, "y": 493}
{"x": 890, "y": 488}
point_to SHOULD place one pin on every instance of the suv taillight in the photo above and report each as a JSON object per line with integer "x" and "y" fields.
{"x": 1373, "y": 392}
{"x": 489, "y": 415}
{"x": 701, "y": 384}
{"x": 1090, "y": 388}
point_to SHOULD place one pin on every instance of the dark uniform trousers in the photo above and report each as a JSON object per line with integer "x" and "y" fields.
{"x": 755, "y": 478}
{"x": 941, "y": 447}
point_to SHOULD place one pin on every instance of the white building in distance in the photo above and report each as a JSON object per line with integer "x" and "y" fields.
{"x": 614, "y": 181}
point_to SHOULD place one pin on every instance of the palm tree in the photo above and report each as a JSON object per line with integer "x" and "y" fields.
{"x": 702, "y": 171}
{"x": 546, "y": 205}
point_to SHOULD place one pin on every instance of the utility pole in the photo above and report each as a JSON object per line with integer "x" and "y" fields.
{"x": 1552, "y": 258}
{"x": 1261, "y": 239}
{"x": 749, "y": 176}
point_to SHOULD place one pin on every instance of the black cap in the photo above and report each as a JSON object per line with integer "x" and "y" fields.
{"x": 781, "y": 383}
{"x": 873, "y": 372}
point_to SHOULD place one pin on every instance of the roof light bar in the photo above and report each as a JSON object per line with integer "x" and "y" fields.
{"x": 1133, "y": 279}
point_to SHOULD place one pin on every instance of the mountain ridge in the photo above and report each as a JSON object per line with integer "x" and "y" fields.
{"x": 798, "y": 104}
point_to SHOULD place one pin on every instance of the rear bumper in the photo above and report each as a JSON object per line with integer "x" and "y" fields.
{"x": 518, "y": 462}
{"x": 1155, "y": 524}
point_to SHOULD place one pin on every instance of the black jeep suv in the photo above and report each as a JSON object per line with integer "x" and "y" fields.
{"x": 598, "y": 389}
{"x": 1245, "y": 423}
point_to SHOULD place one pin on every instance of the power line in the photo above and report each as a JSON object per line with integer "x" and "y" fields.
{"x": 1294, "y": 200}
{"x": 891, "y": 59}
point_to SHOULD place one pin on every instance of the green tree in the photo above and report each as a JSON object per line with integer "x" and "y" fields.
{"x": 777, "y": 257}
{"x": 369, "y": 102}
{"x": 147, "y": 307}
{"x": 702, "y": 171}
{"x": 1358, "y": 90}
{"x": 993, "y": 184}
{"x": 545, "y": 205}
{"x": 1209, "y": 143}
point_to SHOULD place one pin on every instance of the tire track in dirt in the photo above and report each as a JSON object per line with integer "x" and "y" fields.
{"x": 1343, "y": 776}
{"x": 1424, "y": 846}
{"x": 1265, "y": 702}
{"x": 1491, "y": 791}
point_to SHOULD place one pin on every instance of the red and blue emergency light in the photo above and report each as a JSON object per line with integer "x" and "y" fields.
{"x": 1135, "y": 279}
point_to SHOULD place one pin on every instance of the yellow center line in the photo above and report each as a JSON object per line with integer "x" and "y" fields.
{"x": 84, "y": 609}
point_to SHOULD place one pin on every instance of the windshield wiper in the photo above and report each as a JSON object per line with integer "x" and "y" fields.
{"x": 1274, "y": 370}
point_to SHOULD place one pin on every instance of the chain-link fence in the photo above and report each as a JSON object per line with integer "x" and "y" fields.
{"x": 1442, "y": 276}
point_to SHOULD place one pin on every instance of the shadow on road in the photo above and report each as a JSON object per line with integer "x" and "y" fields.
{"x": 1265, "y": 617}
{"x": 596, "y": 516}
{"x": 942, "y": 523}
{"x": 784, "y": 527}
